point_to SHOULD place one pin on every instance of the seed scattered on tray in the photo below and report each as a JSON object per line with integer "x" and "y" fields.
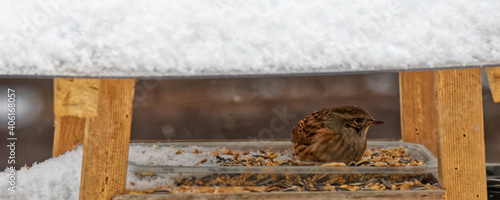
{"x": 197, "y": 151}
{"x": 308, "y": 182}
{"x": 227, "y": 151}
{"x": 145, "y": 173}
{"x": 261, "y": 182}
{"x": 385, "y": 157}
{"x": 179, "y": 152}
{"x": 202, "y": 161}
{"x": 333, "y": 164}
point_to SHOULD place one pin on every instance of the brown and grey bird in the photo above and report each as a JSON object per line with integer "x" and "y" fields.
{"x": 333, "y": 134}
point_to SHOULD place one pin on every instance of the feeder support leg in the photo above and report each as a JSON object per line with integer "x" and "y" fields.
{"x": 102, "y": 108}
{"x": 462, "y": 169}
{"x": 493, "y": 74}
{"x": 75, "y": 100}
{"x": 418, "y": 110}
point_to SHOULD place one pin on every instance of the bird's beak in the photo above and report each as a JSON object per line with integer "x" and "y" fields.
{"x": 375, "y": 122}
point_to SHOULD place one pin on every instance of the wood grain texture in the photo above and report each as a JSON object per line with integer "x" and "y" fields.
{"x": 493, "y": 74}
{"x": 69, "y": 131}
{"x": 418, "y": 109}
{"x": 75, "y": 100}
{"x": 461, "y": 136}
{"x": 106, "y": 142}
{"x": 76, "y": 97}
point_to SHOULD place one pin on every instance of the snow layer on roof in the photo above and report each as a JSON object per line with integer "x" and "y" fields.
{"x": 166, "y": 38}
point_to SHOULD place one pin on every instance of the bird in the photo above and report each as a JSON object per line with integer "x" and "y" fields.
{"x": 333, "y": 134}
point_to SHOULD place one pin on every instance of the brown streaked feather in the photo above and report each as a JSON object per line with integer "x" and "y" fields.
{"x": 303, "y": 134}
{"x": 316, "y": 141}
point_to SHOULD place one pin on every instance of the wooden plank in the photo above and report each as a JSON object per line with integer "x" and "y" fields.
{"x": 106, "y": 142}
{"x": 418, "y": 110}
{"x": 75, "y": 100}
{"x": 69, "y": 131}
{"x": 493, "y": 74}
{"x": 76, "y": 97}
{"x": 461, "y": 136}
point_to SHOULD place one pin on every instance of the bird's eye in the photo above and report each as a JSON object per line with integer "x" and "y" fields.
{"x": 358, "y": 120}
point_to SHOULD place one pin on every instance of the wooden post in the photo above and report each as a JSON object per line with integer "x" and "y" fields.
{"x": 493, "y": 74}
{"x": 107, "y": 137}
{"x": 75, "y": 100}
{"x": 461, "y": 136}
{"x": 69, "y": 131}
{"x": 418, "y": 110}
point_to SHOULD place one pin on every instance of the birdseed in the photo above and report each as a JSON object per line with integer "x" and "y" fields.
{"x": 260, "y": 182}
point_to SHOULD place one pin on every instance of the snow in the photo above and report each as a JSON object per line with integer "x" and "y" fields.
{"x": 55, "y": 178}
{"x": 165, "y": 38}
{"x": 168, "y": 155}
{"x": 59, "y": 178}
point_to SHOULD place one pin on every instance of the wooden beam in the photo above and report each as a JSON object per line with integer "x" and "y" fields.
{"x": 107, "y": 137}
{"x": 418, "y": 110}
{"x": 69, "y": 131}
{"x": 75, "y": 100}
{"x": 76, "y": 97}
{"x": 493, "y": 74}
{"x": 461, "y": 136}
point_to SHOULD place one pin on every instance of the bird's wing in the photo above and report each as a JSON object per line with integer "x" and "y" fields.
{"x": 304, "y": 131}
{"x": 304, "y": 134}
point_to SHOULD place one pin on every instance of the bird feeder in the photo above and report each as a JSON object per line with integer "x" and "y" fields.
{"x": 95, "y": 52}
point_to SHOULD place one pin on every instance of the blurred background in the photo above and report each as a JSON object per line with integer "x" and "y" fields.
{"x": 228, "y": 108}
